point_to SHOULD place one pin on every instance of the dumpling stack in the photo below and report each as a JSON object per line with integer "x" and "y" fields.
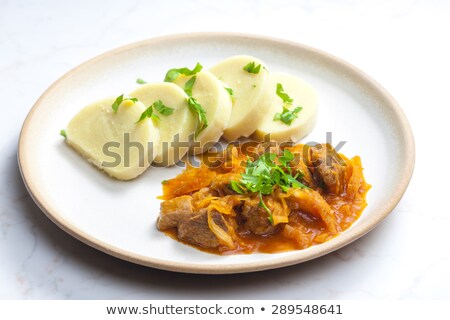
{"x": 189, "y": 112}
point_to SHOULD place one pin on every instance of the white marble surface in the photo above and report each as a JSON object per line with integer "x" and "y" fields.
{"x": 402, "y": 44}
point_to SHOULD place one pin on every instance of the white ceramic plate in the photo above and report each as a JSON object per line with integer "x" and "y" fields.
{"x": 119, "y": 217}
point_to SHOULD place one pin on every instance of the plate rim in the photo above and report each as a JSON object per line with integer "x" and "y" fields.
{"x": 316, "y": 251}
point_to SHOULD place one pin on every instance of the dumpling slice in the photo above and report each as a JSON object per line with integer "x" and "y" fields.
{"x": 247, "y": 77}
{"x": 113, "y": 141}
{"x": 215, "y": 100}
{"x": 298, "y": 117}
{"x": 177, "y": 129}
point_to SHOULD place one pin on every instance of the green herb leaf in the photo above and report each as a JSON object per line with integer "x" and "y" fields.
{"x": 158, "y": 106}
{"x": 251, "y": 68}
{"x": 287, "y": 116}
{"x": 196, "y": 107}
{"x": 262, "y": 204}
{"x": 286, "y": 158}
{"x": 230, "y": 91}
{"x": 148, "y": 113}
{"x": 172, "y": 74}
{"x": 264, "y": 174}
{"x": 198, "y": 110}
{"x": 189, "y": 85}
{"x": 162, "y": 108}
{"x": 63, "y": 133}
{"x": 119, "y": 100}
{"x": 283, "y": 95}
{"x": 237, "y": 187}
{"x": 140, "y": 81}
{"x": 164, "y": 181}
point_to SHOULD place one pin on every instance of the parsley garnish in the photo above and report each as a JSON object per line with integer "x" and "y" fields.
{"x": 251, "y": 68}
{"x": 283, "y": 95}
{"x": 201, "y": 113}
{"x": 264, "y": 174}
{"x": 189, "y": 85}
{"x": 119, "y": 100}
{"x": 63, "y": 133}
{"x": 265, "y": 207}
{"x": 148, "y": 113}
{"x": 196, "y": 107}
{"x": 287, "y": 116}
{"x": 160, "y": 107}
{"x": 172, "y": 74}
{"x": 230, "y": 91}
{"x": 140, "y": 81}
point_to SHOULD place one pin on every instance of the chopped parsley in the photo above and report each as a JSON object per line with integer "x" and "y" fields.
{"x": 63, "y": 133}
{"x": 252, "y": 68}
{"x": 264, "y": 174}
{"x": 265, "y": 207}
{"x": 172, "y": 74}
{"x": 288, "y": 115}
{"x": 195, "y": 107}
{"x": 283, "y": 95}
{"x": 140, "y": 81}
{"x": 148, "y": 113}
{"x": 162, "y": 108}
{"x": 158, "y": 106}
{"x": 119, "y": 100}
{"x": 230, "y": 91}
{"x": 189, "y": 85}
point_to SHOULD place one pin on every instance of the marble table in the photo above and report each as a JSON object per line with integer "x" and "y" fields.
{"x": 402, "y": 44}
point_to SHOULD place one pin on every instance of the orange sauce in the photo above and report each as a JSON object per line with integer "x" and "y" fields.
{"x": 347, "y": 208}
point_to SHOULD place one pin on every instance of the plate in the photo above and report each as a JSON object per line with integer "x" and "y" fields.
{"x": 119, "y": 218}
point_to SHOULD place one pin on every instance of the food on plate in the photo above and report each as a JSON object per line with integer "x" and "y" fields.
{"x": 251, "y": 198}
{"x": 247, "y": 77}
{"x": 190, "y": 111}
{"x": 211, "y": 94}
{"x": 98, "y": 132}
{"x": 293, "y": 109}
{"x": 177, "y": 127}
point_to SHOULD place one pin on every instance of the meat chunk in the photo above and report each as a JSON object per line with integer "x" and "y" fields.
{"x": 191, "y": 226}
{"x": 174, "y": 211}
{"x": 328, "y": 168}
{"x": 196, "y": 230}
{"x": 256, "y": 219}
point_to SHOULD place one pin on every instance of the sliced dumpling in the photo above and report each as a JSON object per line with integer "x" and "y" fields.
{"x": 247, "y": 77}
{"x": 177, "y": 129}
{"x": 113, "y": 141}
{"x": 215, "y": 100}
{"x": 291, "y": 123}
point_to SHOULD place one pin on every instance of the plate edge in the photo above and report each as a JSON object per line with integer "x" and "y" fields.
{"x": 374, "y": 86}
